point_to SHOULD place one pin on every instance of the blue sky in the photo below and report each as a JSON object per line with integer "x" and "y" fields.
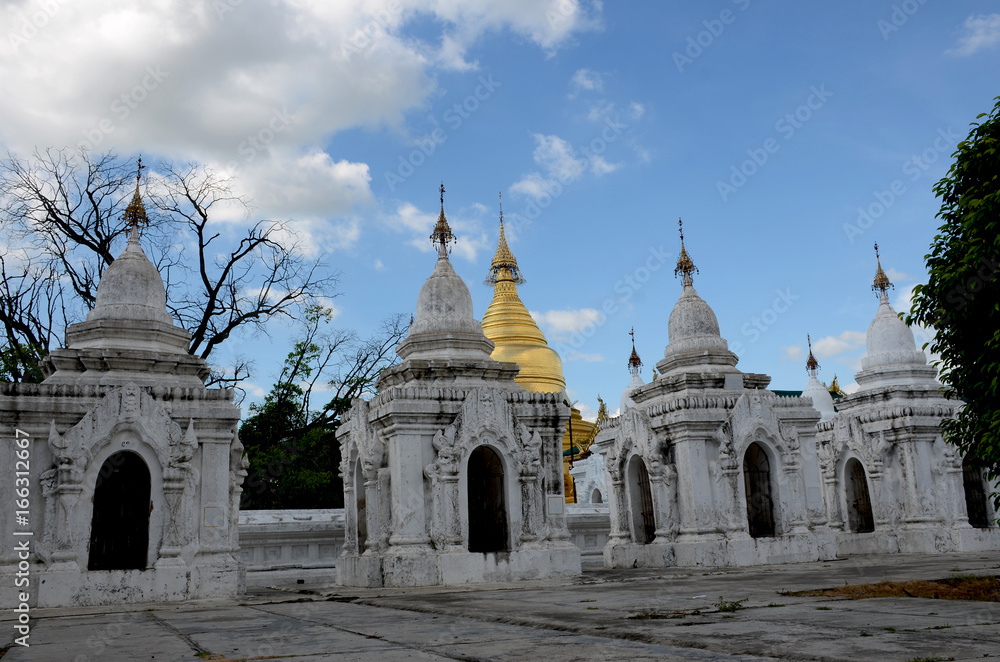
{"x": 767, "y": 127}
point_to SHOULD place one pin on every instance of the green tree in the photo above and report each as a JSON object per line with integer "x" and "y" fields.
{"x": 961, "y": 299}
{"x": 293, "y": 449}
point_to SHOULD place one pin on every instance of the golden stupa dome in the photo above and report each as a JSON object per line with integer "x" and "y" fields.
{"x": 511, "y": 328}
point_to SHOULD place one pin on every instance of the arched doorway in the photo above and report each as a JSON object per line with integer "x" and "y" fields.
{"x": 641, "y": 502}
{"x": 757, "y": 484}
{"x": 975, "y": 494}
{"x": 859, "y": 503}
{"x": 596, "y": 497}
{"x": 119, "y": 529}
{"x": 361, "y": 499}
{"x": 487, "y": 510}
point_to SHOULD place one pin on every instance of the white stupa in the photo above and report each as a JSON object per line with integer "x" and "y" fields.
{"x": 821, "y": 398}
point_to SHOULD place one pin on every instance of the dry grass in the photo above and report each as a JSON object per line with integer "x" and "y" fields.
{"x": 981, "y": 589}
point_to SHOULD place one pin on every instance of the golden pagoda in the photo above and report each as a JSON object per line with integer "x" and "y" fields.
{"x": 519, "y": 340}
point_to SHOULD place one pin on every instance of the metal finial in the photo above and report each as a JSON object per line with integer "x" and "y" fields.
{"x": 882, "y": 283}
{"x": 442, "y": 235}
{"x": 812, "y": 365}
{"x": 135, "y": 213}
{"x": 684, "y": 263}
{"x": 634, "y": 362}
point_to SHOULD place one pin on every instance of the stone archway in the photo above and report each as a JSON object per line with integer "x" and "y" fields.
{"x": 641, "y": 502}
{"x": 596, "y": 496}
{"x": 119, "y": 529}
{"x": 757, "y": 487}
{"x": 488, "y": 530}
{"x": 975, "y": 494}
{"x": 859, "y": 503}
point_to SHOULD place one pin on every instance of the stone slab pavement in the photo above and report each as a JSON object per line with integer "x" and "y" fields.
{"x": 579, "y": 619}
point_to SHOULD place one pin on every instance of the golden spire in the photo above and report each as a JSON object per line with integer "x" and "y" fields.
{"x": 882, "y": 283}
{"x": 514, "y": 332}
{"x": 684, "y": 264}
{"x": 634, "y": 362}
{"x": 442, "y": 235}
{"x": 835, "y": 387}
{"x": 135, "y": 213}
{"x": 504, "y": 265}
{"x": 812, "y": 365}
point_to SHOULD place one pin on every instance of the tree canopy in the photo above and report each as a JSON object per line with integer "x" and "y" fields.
{"x": 961, "y": 299}
{"x": 290, "y": 442}
{"x": 62, "y": 224}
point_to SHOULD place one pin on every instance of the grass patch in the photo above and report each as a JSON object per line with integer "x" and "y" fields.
{"x": 775, "y": 604}
{"x": 591, "y": 607}
{"x": 588, "y": 600}
{"x": 968, "y": 587}
{"x": 724, "y": 605}
{"x": 823, "y": 608}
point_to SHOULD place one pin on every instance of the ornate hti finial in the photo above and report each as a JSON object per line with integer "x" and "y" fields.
{"x": 634, "y": 362}
{"x": 602, "y": 411}
{"x": 442, "y": 235}
{"x": 135, "y": 213}
{"x": 812, "y": 365}
{"x": 882, "y": 283}
{"x": 504, "y": 265}
{"x": 684, "y": 264}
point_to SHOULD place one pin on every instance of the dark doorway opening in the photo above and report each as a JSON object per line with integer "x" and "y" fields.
{"x": 859, "y": 503}
{"x": 641, "y": 498}
{"x": 596, "y": 497}
{"x": 757, "y": 483}
{"x": 975, "y": 494}
{"x": 361, "y": 499}
{"x": 119, "y": 530}
{"x": 487, "y": 510}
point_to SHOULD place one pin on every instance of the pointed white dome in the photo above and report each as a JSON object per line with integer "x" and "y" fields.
{"x": 131, "y": 289}
{"x": 821, "y": 398}
{"x": 443, "y": 326}
{"x": 626, "y": 401}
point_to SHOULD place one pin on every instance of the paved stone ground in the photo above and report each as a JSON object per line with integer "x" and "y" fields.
{"x": 582, "y": 619}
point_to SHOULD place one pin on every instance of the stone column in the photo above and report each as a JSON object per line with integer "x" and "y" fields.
{"x": 694, "y": 491}
{"x": 409, "y": 526}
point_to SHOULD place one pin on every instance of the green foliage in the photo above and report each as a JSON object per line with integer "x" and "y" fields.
{"x": 19, "y": 363}
{"x": 724, "y": 605}
{"x": 292, "y": 448}
{"x": 961, "y": 299}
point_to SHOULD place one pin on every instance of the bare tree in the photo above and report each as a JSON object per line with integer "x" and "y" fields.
{"x": 63, "y": 212}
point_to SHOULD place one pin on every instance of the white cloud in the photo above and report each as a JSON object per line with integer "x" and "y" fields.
{"x": 636, "y": 110}
{"x": 586, "y": 79}
{"x": 847, "y": 341}
{"x": 566, "y": 322}
{"x": 979, "y": 33}
{"x": 253, "y": 87}
{"x": 582, "y": 356}
{"x": 896, "y": 276}
{"x": 561, "y": 165}
{"x": 470, "y": 238}
{"x": 792, "y": 353}
{"x": 379, "y": 266}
